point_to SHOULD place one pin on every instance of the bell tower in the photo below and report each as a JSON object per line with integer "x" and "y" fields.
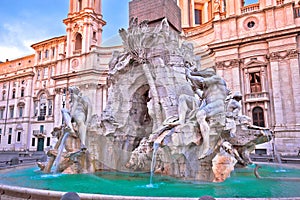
{"x": 84, "y": 26}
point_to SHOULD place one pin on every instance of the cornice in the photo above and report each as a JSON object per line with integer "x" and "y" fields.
{"x": 263, "y": 36}
{"x": 16, "y": 76}
{"x": 79, "y": 16}
{"x": 80, "y": 73}
{"x": 51, "y": 40}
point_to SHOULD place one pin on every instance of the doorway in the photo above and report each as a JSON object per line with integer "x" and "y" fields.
{"x": 40, "y": 145}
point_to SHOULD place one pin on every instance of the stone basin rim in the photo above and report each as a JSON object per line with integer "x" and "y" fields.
{"x": 13, "y": 191}
{"x": 23, "y": 192}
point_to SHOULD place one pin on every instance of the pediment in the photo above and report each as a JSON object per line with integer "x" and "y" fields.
{"x": 254, "y": 63}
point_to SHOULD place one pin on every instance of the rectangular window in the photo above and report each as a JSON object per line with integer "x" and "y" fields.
{"x": 4, "y": 85}
{"x": 19, "y": 136}
{"x": 255, "y": 82}
{"x": 10, "y": 130}
{"x": 52, "y": 71}
{"x": 33, "y": 142}
{"x": 9, "y": 139}
{"x": 41, "y": 128}
{"x": 40, "y": 55}
{"x": 198, "y": 16}
{"x": 46, "y": 72}
{"x": 11, "y": 112}
{"x": 46, "y": 53}
{"x": 0, "y": 138}
{"x": 53, "y": 51}
{"x": 48, "y": 141}
{"x": 296, "y": 12}
{"x": 2, "y": 113}
{"x": 20, "y": 112}
{"x": 38, "y": 74}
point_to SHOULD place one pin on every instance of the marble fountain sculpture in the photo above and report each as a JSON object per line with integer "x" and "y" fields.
{"x": 164, "y": 114}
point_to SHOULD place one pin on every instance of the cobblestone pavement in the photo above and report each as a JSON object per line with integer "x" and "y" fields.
{"x": 12, "y": 159}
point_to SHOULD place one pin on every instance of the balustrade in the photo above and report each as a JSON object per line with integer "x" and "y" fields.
{"x": 250, "y": 8}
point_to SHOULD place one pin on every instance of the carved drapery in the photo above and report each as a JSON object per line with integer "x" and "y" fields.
{"x": 228, "y": 64}
{"x": 282, "y": 55}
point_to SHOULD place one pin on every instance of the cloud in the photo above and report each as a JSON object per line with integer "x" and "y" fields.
{"x": 13, "y": 52}
{"x": 17, "y": 37}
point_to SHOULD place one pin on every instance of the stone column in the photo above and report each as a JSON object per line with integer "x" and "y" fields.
{"x": 263, "y": 79}
{"x": 276, "y": 85}
{"x": 236, "y": 86}
{"x": 295, "y": 83}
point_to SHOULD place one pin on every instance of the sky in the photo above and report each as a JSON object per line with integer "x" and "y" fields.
{"x": 26, "y": 22}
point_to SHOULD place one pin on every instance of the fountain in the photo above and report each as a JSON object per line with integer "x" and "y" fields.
{"x": 165, "y": 115}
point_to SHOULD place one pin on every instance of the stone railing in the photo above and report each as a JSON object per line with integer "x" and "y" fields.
{"x": 257, "y": 96}
{"x": 38, "y": 133}
{"x": 279, "y": 2}
{"x": 250, "y": 8}
{"x": 41, "y": 118}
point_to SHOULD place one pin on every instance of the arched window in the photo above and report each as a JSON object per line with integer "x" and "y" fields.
{"x": 3, "y": 95}
{"x": 13, "y": 96}
{"x": 78, "y": 42}
{"x": 43, "y": 105}
{"x": 79, "y": 5}
{"x": 22, "y": 92}
{"x": 49, "y": 107}
{"x": 258, "y": 117}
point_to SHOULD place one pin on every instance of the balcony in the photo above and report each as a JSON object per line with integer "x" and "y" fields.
{"x": 250, "y": 8}
{"x": 39, "y": 133}
{"x": 41, "y": 118}
{"x": 258, "y": 96}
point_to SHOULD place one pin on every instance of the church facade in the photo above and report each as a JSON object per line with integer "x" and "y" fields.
{"x": 253, "y": 46}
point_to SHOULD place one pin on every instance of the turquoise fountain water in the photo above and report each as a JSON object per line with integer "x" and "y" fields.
{"x": 242, "y": 183}
{"x": 153, "y": 163}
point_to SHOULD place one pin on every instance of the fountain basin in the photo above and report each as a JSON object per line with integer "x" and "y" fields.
{"x": 112, "y": 185}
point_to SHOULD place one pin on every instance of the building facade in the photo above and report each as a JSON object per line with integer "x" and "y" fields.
{"x": 34, "y": 88}
{"x": 254, "y": 46}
